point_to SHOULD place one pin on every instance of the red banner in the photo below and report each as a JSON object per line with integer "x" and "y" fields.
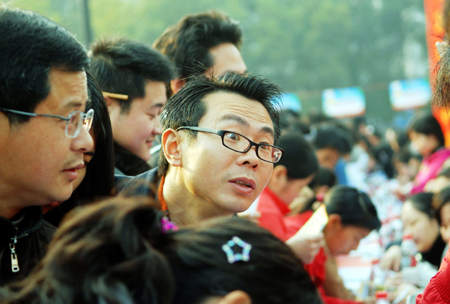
{"x": 434, "y": 33}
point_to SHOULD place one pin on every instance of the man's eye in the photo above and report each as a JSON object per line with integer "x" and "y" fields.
{"x": 233, "y": 136}
{"x": 265, "y": 148}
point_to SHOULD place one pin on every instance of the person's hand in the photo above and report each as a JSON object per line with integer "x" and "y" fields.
{"x": 306, "y": 247}
{"x": 401, "y": 294}
{"x": 391, "y": 259}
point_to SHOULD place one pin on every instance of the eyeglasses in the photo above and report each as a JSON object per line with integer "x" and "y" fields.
{"x": 240, "y": 143}
{"x": 74, "y": 121}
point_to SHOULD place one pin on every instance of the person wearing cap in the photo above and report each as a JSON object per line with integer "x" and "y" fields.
{"x": 293, "y": 172}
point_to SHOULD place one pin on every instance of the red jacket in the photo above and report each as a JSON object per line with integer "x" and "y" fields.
{"x": 438, "y": 291}
{"x": 273, "y": 217}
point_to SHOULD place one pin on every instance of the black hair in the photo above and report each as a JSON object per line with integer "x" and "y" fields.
{"x": 101, "y": 253}
{"x": 99, "y": 179}
{"x": 123, "y": 66}
{"x": 31, "y": 45}
{"x": 439, "y": 200}
{"x": 427, "y": 124}
{"x": 116, "y": 251}
{"x": 405, "y": 155}
{"x": 202, "y": 269}
{"x": 299, "y": 156}
{"x": 333, "y": 138}
{"x": 353, "y": 206}
{"x": 188, "y": 42}
{"x": 186, "y": 108}
{"x": 423, "y": 202}
{"x": 324, "y": 177}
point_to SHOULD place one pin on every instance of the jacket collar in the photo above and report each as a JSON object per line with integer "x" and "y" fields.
{"x": 127, "y": 162}
{"x": 30, "y": 221}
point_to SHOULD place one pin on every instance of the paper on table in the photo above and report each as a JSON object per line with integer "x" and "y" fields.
{"x": 316, "y": 223}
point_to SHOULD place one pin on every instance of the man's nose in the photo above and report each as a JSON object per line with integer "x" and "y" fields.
{"x": 83, "y": 142}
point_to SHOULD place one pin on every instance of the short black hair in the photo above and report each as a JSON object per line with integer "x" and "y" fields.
{"x": 333, "y": 138}
{"x": 299, "y": 156}
{"x": 186, "y": 108}
{"x": 427, "y": 124}
{"x": 353, "y": 206}
{"x": 123, "y": 66}
{"x": 423, "y": 202}
{"x": 188, "y": 42}
{"x": 31, "y": 45}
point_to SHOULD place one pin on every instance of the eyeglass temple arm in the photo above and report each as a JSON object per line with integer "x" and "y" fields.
{"x": 33, "y": 114}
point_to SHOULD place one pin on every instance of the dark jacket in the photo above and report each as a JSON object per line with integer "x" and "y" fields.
{"x": 32, "y": 235}
{"x": 142, "y": 184}
{"x": 127, "y": 163}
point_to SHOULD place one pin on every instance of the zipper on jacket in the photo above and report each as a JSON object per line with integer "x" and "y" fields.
{"x": 14, "y": 259}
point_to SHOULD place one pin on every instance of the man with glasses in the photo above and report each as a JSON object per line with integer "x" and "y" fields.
{"x": 43, "y": 132}
{"x": 218, "y": 147}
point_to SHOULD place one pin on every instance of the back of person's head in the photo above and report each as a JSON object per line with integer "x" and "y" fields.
{"x": 439, "y": 200}
{"x": 354, "y": 207}
{"x": 119, "y": 251}
{"x": 102, "y": 253}
{"x": 31, "y": 45}
{"x": 324, "y": 177}
{"x": 427, "y": 124}
{"x": 203, "y": 267}
{"x": 299, "y": 157}
{"x": 333, "y": 138}
{"x": 422, "y": 202}
{"x": 123, "y": 66}
{"x": 187, "y": 107}
{"x": 188, "y": 42}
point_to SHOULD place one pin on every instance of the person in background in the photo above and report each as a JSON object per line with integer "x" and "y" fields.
{"x": 441, "y": 204}
{"x": 351, "y": 217}
{"x": 133, "y": 79}
{"x": 331, "y": 144}
{"x": 220, "y": 261}
{"x": 205, "y": 43}
{"x": 419, "y": 221}
{"x": 44, "y": 132}
{"x": 293, "y": 172}
{"x": 428, "y": 140}
{"x": 96, "y": 179}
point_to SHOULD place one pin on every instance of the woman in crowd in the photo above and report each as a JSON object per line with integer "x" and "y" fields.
{"x": 125, "y": 251}
{"x": 96, "y": 179}
{"x": 428, "y": 140}
{"x": 419, "y": 221}
{"x": 351, "y": 217}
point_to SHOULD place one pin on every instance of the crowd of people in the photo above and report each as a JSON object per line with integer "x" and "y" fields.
{"x": 132, "y": 173}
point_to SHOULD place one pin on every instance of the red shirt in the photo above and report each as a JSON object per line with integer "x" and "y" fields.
{"x": 273, "y": 211}
{"x": 438, "y": 291}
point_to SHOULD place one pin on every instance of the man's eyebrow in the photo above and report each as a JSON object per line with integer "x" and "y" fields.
{"x": 74, "y": 104}
{"x": 242, "y": 121}
{"x": 158, "y": 105}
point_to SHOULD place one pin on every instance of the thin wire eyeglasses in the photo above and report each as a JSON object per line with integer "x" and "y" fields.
{"x": 239, "y": 143}
{"x": 74, "y": 121}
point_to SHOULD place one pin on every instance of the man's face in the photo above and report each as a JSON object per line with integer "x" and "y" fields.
{"x": 136, "y": 130}
{"x": 226, "y": 57}
{"x": 327, "y": 157}
{"x": 38, "y": 162}
{"x": 227, "y": 181}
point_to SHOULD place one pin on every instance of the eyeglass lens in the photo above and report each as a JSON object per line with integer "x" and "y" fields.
{"x": 78, "y": 119}
{"x": 239, "y": 143}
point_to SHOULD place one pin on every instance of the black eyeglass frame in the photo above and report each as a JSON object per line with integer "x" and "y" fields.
{"x": 222, "y": 133}
{"x": 88, "y": 114}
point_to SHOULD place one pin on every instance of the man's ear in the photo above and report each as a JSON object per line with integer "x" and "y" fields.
{"x": 176, "y": 84}
{"x": 278, "y": 179}
{"x": 170, "y": 142}
{"x": 236, "y": 297}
